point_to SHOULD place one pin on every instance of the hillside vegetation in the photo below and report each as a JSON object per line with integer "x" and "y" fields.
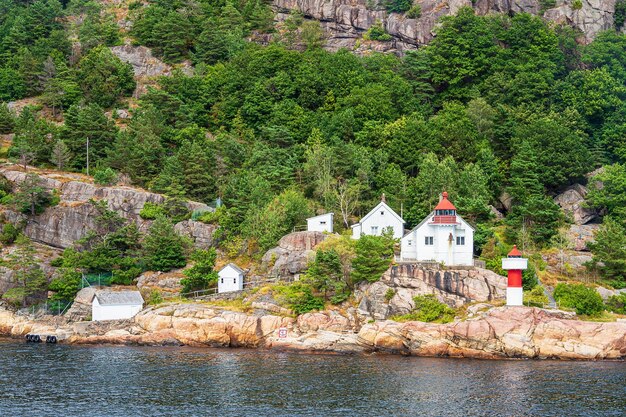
{"x": 494, "y": 104}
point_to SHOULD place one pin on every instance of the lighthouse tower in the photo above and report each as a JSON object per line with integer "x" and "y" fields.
{"x": 514, "y": 264}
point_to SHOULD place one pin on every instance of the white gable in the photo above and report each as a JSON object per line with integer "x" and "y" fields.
{"x": 381, "y": 218}
{"x": 321, "y": 223}
{"x": 230, "y": 278}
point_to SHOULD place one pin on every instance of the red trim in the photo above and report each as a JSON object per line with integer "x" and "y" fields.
{"x": 444, "y": 220}
{"x": 515, "y": 278}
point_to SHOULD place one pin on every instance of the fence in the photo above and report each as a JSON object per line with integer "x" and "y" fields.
{"x": 211, "y": 293}
{"x": 99, "y": 279}
{"x": 54, "y": 308}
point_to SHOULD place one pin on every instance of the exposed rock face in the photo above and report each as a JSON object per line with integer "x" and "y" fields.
{"x": 579, "y": 235}
{"x": 292, "y": 254}
{"x": 60, "y": 226}
{"x": 142, "y": 61}
{"x": 345, "y": 21}
{"x": 164, "y": 282}
{"x": 200, "y": 233}
{"x": 504, "y": 332}
{"x": 455, "y": 287}
{"x": 572, "y": 201}
{"x": 81, "y": 308}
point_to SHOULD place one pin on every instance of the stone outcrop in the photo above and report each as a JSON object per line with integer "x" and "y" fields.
{"x": 82, "y": 306}
{"x": 572, "y": 202}
{"x": 60, "y": 226}
{"x": 163, "y": 282}
{"x": 403, "y": 282}
{"x": 142, "y": 61}
{"x": 292, "y": 254}
{"x": 498, "y": 333}
{"x": 200, "y": 233}
{"x": 578, "y": 235}
{"x": 345, "y": 21}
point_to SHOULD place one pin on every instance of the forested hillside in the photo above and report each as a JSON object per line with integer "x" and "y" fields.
{"x": 493, "y": 105}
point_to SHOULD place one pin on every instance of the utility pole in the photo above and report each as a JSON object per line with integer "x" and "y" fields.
{"x": 87, "y": 155}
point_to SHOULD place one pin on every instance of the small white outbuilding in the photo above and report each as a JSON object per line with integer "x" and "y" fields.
{"x": 321, "y": 223}
{"x": 230, "y": 279}
{"x": 115, "y": 305}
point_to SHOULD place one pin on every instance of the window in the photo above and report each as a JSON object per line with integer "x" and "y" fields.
{"x": 428, "y": 240}
{"x": 460, "y": 240}
{"x": 374, "y": 230}
{"x": 234, "y": 280}
{"x": 222, "y": 280}
{"x": 382, "y": 213}
{"x": 322, "y": 222}
{"x": 410, "y": 242}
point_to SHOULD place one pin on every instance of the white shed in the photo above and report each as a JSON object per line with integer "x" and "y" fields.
{"x": 321, "y": 223}
{"x": 115, "y": 305}
{"x": 230, "y": 279}
{"x": 377, "y": 221}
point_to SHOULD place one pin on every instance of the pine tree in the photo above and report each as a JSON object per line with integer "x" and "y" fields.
{"x": 7, "y": 119}
{"x": 198, "y": 171}
{"x": 374, "y": 255}
{"x": 163, "y": 248}
{"x": 61, "y": 155}
{"x": 171, "y": 179}
{"x": 28, "y": 275}
{"x": 202, "y": 274}
{"x": 609, "y": 250}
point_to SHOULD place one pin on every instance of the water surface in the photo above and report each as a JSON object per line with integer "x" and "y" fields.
{"x": 170, "y": 381}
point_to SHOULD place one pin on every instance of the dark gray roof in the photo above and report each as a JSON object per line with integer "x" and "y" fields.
{"x": 235, "y": 267}
{"x": 119, "y": 297}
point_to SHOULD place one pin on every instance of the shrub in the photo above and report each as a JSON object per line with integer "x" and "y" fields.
{"x": 9, "y": 234}
{"x": 577, "y": 4}
{"x": 617, "y": 303}
{"x": 105, "y": 177}
{"x": 546, "y": 4}
{"x": 66, "y": 284}
{"x": 155, "y": 297}
{"x": 125, "y": 276}
{"x": 151, "y": 211}
{"x": 377, "y": 33}
{"x": 414, "y": 12}
{"x": 163, "y": 248}
{"x": 209, "y": 217}
{"x": 397, "y": 6}
{"x": 389, "y": 294}
{"x": 535, "y": 297}
{"x": 529, "y": 278}
{"x": 429, "y": 309}
{"x": 299, "y": 297}
{"x": 583, "y": 299}
{"x": 201, "y": 275}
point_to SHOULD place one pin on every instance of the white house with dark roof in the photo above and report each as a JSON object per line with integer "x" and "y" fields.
{"x": 230, "y": 279}
{"x": 443, "y": 236}
{"x": 115, "y": 305}
{"x": 321, "y": 223}
{"x": 381, "y": 218}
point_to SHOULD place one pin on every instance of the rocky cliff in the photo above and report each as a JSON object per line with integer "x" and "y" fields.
{"x": 345, "y": 21}
{"x": 292, "y": 254}
{"x": 60, "y": 226}
{"x": 455, "y": 287}
{"x": 503, "y": 332}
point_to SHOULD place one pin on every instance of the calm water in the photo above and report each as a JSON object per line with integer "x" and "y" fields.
{"x": 140, "y": 381}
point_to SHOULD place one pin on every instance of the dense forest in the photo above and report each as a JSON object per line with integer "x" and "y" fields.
{"x": 494, "y": 104}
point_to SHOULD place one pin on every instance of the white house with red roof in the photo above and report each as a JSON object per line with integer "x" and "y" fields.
{"x": 380, "y": 219}
{"x": 443, "y": 236}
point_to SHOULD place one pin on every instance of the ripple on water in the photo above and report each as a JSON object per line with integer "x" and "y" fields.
{"x": 142, "y": 381}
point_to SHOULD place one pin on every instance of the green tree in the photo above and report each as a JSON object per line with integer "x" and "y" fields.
{"x": 61, "y": 155}
{"x": 163, "y": 248}
{"x": 66, "y": 284}
{"x": 31, "y": 197}
{"x": 325, "y": 274}
{"x": 607, "y": 190}
{"x": 104, "y": 78}
{"x": 202, "y": 274}
{"x": 374, "y": 255}
{"x": 28, "y": 275}
{"x": 7, "y": 119}
{"x": 609, "y": 250}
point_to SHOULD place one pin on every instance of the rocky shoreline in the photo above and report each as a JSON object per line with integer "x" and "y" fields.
{"x": 498, "y": 333}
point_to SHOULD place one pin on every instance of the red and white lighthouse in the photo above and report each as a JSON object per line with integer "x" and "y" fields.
{"x": 514, "y": 264}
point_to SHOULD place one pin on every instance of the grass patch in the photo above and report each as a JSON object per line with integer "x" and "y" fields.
{"x": 428, "y": 309}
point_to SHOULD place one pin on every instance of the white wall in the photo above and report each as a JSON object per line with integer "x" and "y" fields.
{"x": 229, "y": 280}
{"x": 113, "y": 312}
{"x": 442, "y": 250}
{"x": 376, "y": 221}
{"x": 322, "y": 223}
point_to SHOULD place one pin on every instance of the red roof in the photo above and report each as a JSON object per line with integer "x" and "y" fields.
{"x": 515, "y": 253}
{"x": 445, "y": 204}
